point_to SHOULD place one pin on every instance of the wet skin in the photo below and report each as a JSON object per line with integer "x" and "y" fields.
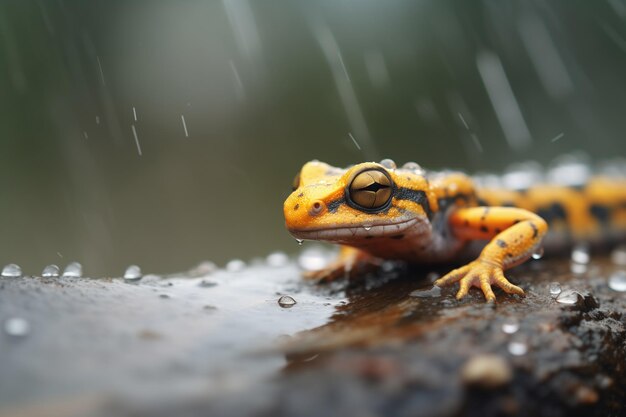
{"x": 378, "y": 211}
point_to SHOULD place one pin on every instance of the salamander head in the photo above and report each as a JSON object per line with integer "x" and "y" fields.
{"x": 365, "y": 201}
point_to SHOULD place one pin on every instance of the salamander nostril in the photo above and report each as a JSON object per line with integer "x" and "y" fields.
{"x": 316, "y": 208}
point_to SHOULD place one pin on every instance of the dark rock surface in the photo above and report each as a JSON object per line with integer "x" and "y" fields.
{"x": 220, "y": 344}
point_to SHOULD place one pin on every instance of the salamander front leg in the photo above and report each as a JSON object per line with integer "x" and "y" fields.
{"x": 515, "y": 234}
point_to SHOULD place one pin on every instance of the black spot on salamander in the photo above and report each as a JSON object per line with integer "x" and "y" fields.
{"x": 296, "y": 207}
{"x": 509, "y": 255}
{"x": 497, "y": 230}
{"x": 484, "y": 229}
{"x": 397, "y": 237}
{"x": 552, "y": 213}
{"x": 602, "y": 213}
{"x": 333, "y": 206}
{"x": 501, "y": 243}
{"x": 301, "y": 195}
{"x": 535, "y": 230}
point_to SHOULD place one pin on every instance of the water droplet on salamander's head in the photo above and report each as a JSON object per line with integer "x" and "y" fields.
{"x": 538, "y": 253}
{"x": 286, "y": 301}
{"x": 12, "y": 271}
{"x": 51, "y": 271}
{"x": 367, "y": 227}
{"x": 132, "y": 273}
{"x": 617, "y": 281}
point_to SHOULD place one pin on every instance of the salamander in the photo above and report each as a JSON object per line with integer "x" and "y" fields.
{"x": 379, "y": 211}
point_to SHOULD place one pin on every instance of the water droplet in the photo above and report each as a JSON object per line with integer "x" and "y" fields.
{"x": 510, "y": 327}
{"x": 568, "y": 297}
{"x": 277, "y": 259}
{"x": 133, "y": 273}
{"x": 235, "y": 265}
{"x": 388, "y": 163}
{"x": 618, "y": 256}
{"x": 617, "y": 281}
{"x": 538, "y": 253}
{"x": 518, "y": 348}
{"x": 313, "y": 258}
{"x": 17, "y": 327}
{"x": 432, "y": 292}
{"x": 12, "y": 271}
{"x": 286, "y": 301}
{"x": 203, "y": 268}
{"x": 51, "y": 271}
{"x": 299, "y": 241}
{"x": 555, "y": 289}
{"x": 73, "y": 269}
{"x": 580, "y": 254}
{"x": 412, "y": 166}
{"x": 578, "y": 268}
{"x": 367, "y": 227}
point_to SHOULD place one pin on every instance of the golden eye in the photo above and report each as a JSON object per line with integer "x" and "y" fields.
{"x": 370, "y": 189}
{"x": 296, "y": 182}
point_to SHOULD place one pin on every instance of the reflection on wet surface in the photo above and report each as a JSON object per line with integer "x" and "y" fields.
{"x": 214, "y": 334}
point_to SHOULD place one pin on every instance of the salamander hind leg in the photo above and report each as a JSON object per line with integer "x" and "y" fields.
{"x": 515, "y": 234}
{"x": 350, "y": 263}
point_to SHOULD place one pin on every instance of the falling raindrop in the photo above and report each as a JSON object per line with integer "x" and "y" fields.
{"x": 51, "y": 271}
{"x": 538, "y": 253}
{"x": 555, "y": 289}
{"x": 617, "y": 281}
{"x": 17, "y": 327}
{"x": 510, "y": 326}
{"x": 235, "y": 265}
{"x": 568, "y": 297}
{"x": 277, "y": 259}
{"x": 73, "y": 269}
{"x": 12, "y": 271}
{"x": 132, "y": 273}
{"x": 286, "y": 301}
{"x": 580, "y": 254}
{"x": 518, "y": 348}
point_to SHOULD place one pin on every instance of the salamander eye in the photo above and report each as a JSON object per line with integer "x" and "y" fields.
{"x": 370, "y": 189}
{"x": 296, "y": 182}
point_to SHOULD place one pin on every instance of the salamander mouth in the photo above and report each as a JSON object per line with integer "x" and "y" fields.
{"x": 350, "y": 233}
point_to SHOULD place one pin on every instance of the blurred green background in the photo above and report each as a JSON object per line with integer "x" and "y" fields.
{"x": 229, "y": 98}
